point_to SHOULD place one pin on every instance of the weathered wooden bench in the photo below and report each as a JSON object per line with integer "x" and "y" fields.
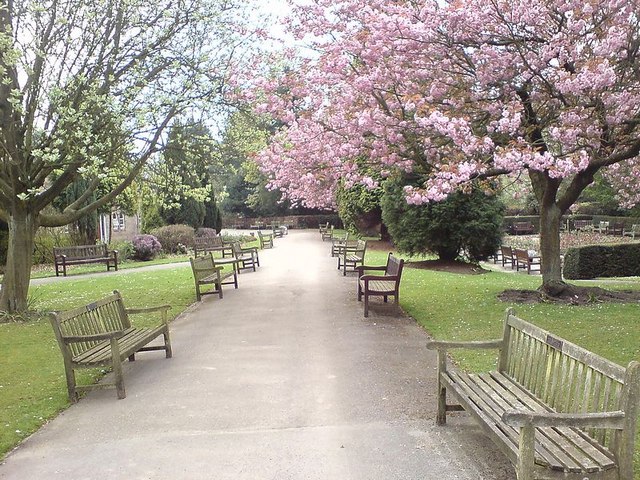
{"x": 352, "y": 256}
{"x": 101, "y": 334}
{"x": 383, "y": 285}
{"x": 247, "y": 257}
{"x": 83, "y": 255}
{"x": 523, "y": 259}
{"x": 506, "y": 256}
{"x": 265, "y": 239}
{"x": 633, "y": 231}
{"x": 206, "y": 272}
{"x": 327, "y": 234}
{"x": 204, "y": 245}
{"x": 581, "y": 225}
{"x": 616, "y": 228}
{"x": 556, "y": 410}
{"x": 523, "y": 228}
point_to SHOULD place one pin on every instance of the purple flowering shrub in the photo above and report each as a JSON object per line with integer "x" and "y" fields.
{"x": 145, "y": 247}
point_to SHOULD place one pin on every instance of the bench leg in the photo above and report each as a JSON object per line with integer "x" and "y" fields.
{"x": 117, "y": 368}
{"x": 441, "y": 415}
{"x": 526, "y": 453}
{"x": 366, "y": 305}
{"x": 71, "y": 383}
{"x": 167, "y": 344}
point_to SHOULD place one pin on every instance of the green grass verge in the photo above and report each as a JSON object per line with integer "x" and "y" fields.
{"x": 448, "y": 306}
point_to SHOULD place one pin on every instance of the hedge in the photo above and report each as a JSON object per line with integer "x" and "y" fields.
{"x": 602, "y": 261}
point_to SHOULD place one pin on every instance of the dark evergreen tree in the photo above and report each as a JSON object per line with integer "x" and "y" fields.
{"x": 464, "y": 225}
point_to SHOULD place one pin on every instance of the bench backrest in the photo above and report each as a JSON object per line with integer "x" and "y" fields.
{"x": 82, "y": 251}
{"x": 394, "y": 266}
{"x": 202, "y": 266}
{"x": 506, "y": 252}
{"x": 103, "y": 316}
{"x": 521, "y": 255}
{"x": 569, "y": 378}
{"x": 581, "y": 223}
{"x": 202, "y": 243}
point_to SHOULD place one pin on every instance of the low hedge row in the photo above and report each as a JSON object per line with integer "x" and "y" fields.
{"x": 593, "y": 261}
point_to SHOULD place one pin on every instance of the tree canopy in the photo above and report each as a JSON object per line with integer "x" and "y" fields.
{"x": 87, "y": 89}
{"x": 545, "y": 89}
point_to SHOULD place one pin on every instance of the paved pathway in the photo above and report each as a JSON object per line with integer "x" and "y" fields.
{"x": 281, "y": 379}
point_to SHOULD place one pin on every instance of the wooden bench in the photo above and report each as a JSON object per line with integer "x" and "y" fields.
{"x": 616, "y": 228}
{"x": 82, "y": 255}
{"x": 101, "y": 334}
{"x": 206, "y": 272}
{"x": 581, "y": 225}
{"x": 523, "y": 259}
{"x": 632, "y": 232}
{"x": 352, "y": 256}
{"x": 506, "y": 255}
{"x": 556, "y": 410}
{"x": 247, "y": 257}
{"x": 383, "y": 285}
{"x": 523, "y": 228}
{"x": 327, "y": 234}
{"x": 211, "y": 244}
{"x": 266, "y": 240}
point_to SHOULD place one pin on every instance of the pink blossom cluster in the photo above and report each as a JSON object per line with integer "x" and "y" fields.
{"x": 456, "y": 90}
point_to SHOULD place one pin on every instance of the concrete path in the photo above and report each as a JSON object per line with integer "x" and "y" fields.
{"x": 281, "y": 379}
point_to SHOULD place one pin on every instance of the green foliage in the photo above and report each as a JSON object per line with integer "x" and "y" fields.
{"x": 125, "y": 250}
{"x": 189, "y": 212}
{"x": 468, "y": 225}
{"x": 356, "y": 201}
{"x": 174, "y": 238}
{"x": 152, "y": 219}
{"x": 45, "y": 240}
{"x": 212, "y": 217}
{"x": 84, "y": 230}
{"x": 594, "y": 261}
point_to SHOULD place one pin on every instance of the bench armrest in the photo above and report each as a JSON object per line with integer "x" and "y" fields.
{"x": 472, "y": 344}
{"x": 158, "y": 308}
{"x": 392, "y": 278}
{"x": 362, "y": 268}
{"x": 519, "y": 418}
{"x": 93, "y": 337}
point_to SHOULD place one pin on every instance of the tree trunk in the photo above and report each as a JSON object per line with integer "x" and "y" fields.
{"x": 15, "y": 284}
{"x": 551, "y": 268}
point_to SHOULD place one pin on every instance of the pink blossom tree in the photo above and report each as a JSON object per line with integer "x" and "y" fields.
{"x": 461, "y": 91}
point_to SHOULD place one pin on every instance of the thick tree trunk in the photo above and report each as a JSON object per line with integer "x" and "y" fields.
{"x": 15, "y": 284}
{"x": 551, "y": 268}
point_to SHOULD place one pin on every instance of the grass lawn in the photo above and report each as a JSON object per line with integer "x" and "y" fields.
{"x": 448, "y": 306}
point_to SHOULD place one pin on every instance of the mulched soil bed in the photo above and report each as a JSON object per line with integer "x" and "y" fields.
{"x": 574, "y": 296}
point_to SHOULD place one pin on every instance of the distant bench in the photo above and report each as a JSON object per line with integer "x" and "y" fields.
{"x": 82, "y": 255}
{"x": 556, "y": 410}
{"x": 101, "y": 334}
{"x": 211, "y": 244}
{"x": 523, "y": 228}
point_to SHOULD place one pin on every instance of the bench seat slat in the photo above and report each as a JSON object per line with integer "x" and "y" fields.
{"x": 132, "y": 341}
{"x": 589, "y": 455}
{"x": 562, "y": 449}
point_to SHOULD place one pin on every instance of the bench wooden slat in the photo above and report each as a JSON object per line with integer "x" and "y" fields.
{"x": 584, "y": 453}
{"x": 561, "y": 449}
